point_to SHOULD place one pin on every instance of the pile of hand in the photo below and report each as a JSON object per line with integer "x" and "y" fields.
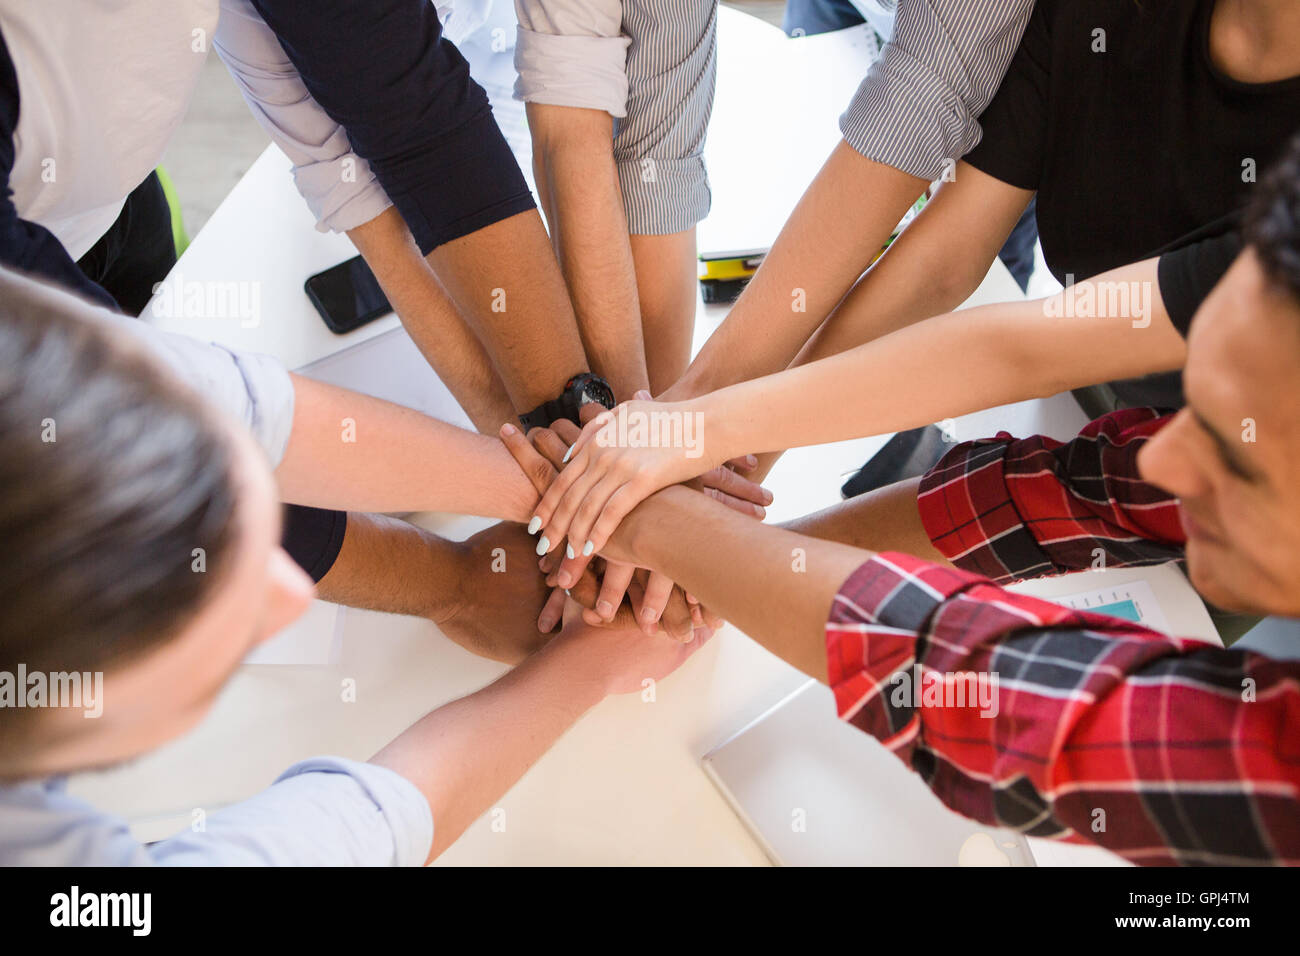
{"x": 588, "y": 485}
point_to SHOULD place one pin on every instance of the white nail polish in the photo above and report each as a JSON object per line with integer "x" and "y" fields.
{"x": 567, "y": 455}
{"x": 568, "y": 549}
{"x": 534, "y": 524}
{"x": 587, "y": 548}
{"x": 544, "y": 545}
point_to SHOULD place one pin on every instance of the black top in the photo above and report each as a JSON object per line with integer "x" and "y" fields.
{"x": 1187, "y": 274}
{"x": 383, "y": 70}
{"x": 1136, "y": 150}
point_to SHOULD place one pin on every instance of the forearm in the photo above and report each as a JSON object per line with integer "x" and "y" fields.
{"x": 666, "y": 276}
{"x": 432, "y": 320}
{"x": 505, "y": 281}
{"x": 352, "y": 452}
{"x": 466, "y": 755}
{"x": 961, "y": 229}
{"x": 389, "y": 565}
{"x": 782, "y": 595}
{"x": 579, "y": 189}
{"x": 838, "y": 226}
{"x": 970, "y": 360}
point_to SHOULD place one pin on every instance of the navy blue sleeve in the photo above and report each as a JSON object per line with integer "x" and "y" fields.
{"x": 383, "y": 71}
{"x": 27, "y": 246}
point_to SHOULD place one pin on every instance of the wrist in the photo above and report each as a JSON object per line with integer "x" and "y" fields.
{"x": 452, "y": 563}
{"x": 585, "y": 675}
{"x": 516, "y": 499}
{"x": 688, "y": 387}
{"x": 644, "y": 529}
{"x": 723, "y": 427}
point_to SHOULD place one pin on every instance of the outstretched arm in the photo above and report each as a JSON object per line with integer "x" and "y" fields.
{"x": 947, "y": 366}
{"x": 956, "y": 364}
{"x": 465, "y": 755}
{"x": 841, "y": 222}
{"x": 353, "y": 452}
{"x": 914, "y": 114}
{"x": 871, "y": 624}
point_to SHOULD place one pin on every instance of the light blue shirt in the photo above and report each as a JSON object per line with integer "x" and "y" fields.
{"x": 253, "y": 388}
{"x": 326, "y": 811}
{"x": 322, "y": 812}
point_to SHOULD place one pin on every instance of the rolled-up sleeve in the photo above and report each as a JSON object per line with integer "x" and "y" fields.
{"x": 337, "y": 184}
{"x": 383, "y": 70}
{"x": 659, "y": 148}
{"x": 322, "y": 812}
{"x": 572, "y": 53}
{"x": 919, "y": 105}
{"x": 254, "y": 389}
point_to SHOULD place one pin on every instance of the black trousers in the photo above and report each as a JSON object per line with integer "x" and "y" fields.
{"x": 137, "y": 252}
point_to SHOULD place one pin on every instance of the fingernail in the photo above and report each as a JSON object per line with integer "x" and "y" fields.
{"x": 587, "y": 548}
{"x": 568, "y": 549}
{"x": 649, "y": 615}
{"x": 565, "y": 579}
{"x": 545, "y": 624}
{"x": 565, "y": 459}
{"x": 605, "y": 609}
{"x": 751, "y": 461}
{"x": 508, "y": 429}
{"x": 534, "y": 524}
{"x": 544, "y": 545}
{"x": 767, "y": 497}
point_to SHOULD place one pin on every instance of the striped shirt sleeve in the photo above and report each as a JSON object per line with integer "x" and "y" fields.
{"x": 650, "y": 64}
{"x": 919, "y": 106}
{"x": 659, "y": 148}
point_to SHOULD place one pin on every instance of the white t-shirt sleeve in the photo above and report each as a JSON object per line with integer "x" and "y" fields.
{"x": 326, "y": 811}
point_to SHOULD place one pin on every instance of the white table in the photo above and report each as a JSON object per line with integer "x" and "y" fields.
{"x": 625, "y": 785}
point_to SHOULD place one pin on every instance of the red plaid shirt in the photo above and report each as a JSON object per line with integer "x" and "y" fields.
{"x": 1161, "y": 749}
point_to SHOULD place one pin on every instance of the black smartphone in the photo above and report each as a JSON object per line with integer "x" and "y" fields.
{"x": 347, "y": 296}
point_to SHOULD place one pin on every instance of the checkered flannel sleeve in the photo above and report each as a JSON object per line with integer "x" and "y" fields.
{"x": 1058, "y": 723}
{"x": 1009, "y": 509}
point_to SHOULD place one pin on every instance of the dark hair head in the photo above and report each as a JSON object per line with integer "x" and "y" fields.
{"x": 111, "y": 474}
{"x": 1273, "y": 221}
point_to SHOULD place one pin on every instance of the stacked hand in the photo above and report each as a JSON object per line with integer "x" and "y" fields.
{"x": 654, "y": 598}
{"x": 621, "y": 458}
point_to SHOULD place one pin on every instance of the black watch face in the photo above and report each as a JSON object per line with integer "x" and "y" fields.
{"x": 598, "y": 392}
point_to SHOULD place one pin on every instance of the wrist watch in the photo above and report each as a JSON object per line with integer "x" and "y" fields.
{"x": 578, "y": 391}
